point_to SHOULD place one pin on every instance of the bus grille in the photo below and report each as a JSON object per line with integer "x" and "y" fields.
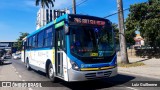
{"x": 93, "y": 75}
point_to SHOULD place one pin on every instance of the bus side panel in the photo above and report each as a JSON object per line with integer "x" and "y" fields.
{"x": 22, "y": 56}
{"x": 38, "y": 58}
{"x": 53, "y": 59}
{"x": 42, "y": 56}
{"x": 65, "y": 66}
{"x": 30, "y": 54}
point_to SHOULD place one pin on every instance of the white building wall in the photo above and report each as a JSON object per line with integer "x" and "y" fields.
{"x": 45, "y": 15}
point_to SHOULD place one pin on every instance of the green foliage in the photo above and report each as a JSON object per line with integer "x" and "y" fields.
{"x": 134, "y": 64}
{"x": 144, "y": 17}
{"x": 116, "y": 31}
{"x": 18, "y": 44}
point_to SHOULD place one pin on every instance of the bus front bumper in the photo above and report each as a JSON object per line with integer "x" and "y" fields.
{"x": 90, "y": 75}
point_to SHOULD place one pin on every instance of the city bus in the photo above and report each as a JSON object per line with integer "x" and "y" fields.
{"x": 73, "y": 48}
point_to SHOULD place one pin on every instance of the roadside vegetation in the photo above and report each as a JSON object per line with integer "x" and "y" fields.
{"x": 144, "y": 17}
{"x": 134, "y": 64}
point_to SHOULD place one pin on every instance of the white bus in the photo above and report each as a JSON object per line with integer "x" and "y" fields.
{"x": 73, "y": 48}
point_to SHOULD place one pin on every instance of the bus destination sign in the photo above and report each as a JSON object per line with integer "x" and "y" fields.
{"x": 83, "y": 20}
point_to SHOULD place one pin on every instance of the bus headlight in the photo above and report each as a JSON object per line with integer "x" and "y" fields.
{"x": 74, "y": 65}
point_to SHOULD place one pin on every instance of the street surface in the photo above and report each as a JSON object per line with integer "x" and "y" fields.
{"x": 16, "y": 71}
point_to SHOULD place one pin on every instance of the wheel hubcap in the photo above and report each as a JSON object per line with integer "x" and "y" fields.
{"x": 27, "y": 65}
{"x": 50, "y": 72}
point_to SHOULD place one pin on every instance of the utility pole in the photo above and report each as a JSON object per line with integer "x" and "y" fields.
{"x": 122, "y": 41}
{"x": 73, "y": 6}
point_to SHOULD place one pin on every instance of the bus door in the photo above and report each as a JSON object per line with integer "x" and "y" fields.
{"x": 59, "y": 53}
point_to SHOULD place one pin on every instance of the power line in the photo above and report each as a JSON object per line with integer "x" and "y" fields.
{"x": 115, "y": 13}
{"x": 120, "y": 11}
{"x": 78, "y": 4}
{"x": 82, "y": 2}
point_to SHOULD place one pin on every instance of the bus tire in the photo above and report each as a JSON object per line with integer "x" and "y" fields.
{"x": 1, "y": 62}
{"x": 51, "y": 73}
{"x": 27, "y": 65}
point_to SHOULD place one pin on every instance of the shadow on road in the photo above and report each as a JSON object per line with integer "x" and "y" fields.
{"x": 143, "y": 60}
{"x": 120, "y": 79}
{"x": 99, "y": 84}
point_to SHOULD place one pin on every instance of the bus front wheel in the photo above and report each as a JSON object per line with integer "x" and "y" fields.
{"x": 51, "y": 73}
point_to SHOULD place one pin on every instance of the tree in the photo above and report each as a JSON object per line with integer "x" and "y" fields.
{"x": 45, "y": 3}
{"x": 116, "y": 31}
{"x": 145, "y": 17}
{"x": 18, "y": 44}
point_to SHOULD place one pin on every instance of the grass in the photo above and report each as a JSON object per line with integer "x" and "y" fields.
{"x": 134, "y": 64}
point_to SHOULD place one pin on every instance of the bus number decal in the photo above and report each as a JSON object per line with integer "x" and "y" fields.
{"x": 94, "y": 54}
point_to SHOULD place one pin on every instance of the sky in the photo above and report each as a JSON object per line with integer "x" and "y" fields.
{"x": 20, "y": 15}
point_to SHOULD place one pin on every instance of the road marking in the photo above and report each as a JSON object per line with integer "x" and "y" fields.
{"x": 30, "y": 89}
{"x": 131, "y": 88}
{"x": 20, "y": 76}
{"x": 142, "y": 75}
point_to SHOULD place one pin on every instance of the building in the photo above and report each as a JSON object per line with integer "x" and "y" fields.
{"x": 139, "y": 41}
{"x": 45, "y": 16}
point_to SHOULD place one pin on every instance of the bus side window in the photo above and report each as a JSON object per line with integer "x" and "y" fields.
{"x": 48, "y": 37}
{"x": 40, "y": 39}
{"x": 30, "y": 43}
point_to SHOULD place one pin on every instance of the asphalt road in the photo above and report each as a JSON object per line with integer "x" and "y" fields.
{"x": 120, "y": 82}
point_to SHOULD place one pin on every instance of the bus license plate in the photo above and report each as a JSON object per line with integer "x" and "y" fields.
{"x": 99, "y": 74}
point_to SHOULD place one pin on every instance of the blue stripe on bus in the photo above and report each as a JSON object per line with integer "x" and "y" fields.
{"x": 65, "y": 16}
{"x": 69, "y": 54}
{"x": 42, "y": 28}
{"x": 112, "y": 63}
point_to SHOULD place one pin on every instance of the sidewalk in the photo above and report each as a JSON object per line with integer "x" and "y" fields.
{"x": 150, "y": 69}
{"x": 8, "y": 73}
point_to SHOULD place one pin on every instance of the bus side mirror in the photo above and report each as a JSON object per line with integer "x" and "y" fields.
{"x": 66, "y": 29}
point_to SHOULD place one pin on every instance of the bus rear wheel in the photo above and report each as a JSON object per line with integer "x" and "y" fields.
{"x": 51, "y": 73}
{"x": 27, "y": 65}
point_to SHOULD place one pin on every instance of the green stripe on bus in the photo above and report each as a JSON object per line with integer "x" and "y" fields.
{"x": 59, "y": 24}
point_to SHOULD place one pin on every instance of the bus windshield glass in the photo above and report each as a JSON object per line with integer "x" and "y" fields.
{"x": 91, "y": 41}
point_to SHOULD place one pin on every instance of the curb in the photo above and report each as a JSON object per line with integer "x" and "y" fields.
{"x": 139, "y": 74}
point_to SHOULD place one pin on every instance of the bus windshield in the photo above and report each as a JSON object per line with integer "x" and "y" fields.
{"x": 91, "y": 41}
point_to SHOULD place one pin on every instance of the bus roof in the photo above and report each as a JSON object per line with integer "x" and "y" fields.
{"x": 63, "y": 17}
{"x": 40, "y": 29}
{"x": 49, "y": 24}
